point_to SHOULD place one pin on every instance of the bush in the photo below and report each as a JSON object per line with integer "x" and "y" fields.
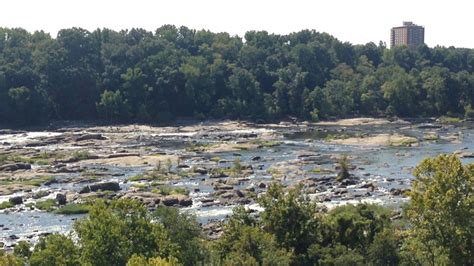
{"x": 73, "y": 208}
{"x": 55, "y": 249}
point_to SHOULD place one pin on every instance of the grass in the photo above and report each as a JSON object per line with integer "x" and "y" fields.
{"x": 73, "y": 208}
{"x": 431, "y": 137}
{"x": 320, "y": 170}
{"x": 3, "y": 158}
{"x": 40, "y": 194}
{"x": 81, "y": 155}
{"x": 276, "y": 173}
{"x": 41, "y": 159}
{"x": 36, "y": 182}
{"x": 167, "y": 190}
{"x": 265, "y": 143}
{"x": 140, "y": 186}
{"x": 449, "y": 120}
{"x": 199, "y": 147}
{"x": 47, "y": 205}
{"x": 153, "y": 176}
{"x": 215, "y": 159}
{"x": 404, "y": 142}
{"x": 6, "y": 205}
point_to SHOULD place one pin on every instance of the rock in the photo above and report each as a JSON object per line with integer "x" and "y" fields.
{"x": 256, "y": 158}
{"x": 239, "y": 193}
{"x": 369, "y": 186}
{"x": 169, "y": 201}
{"x": 396, "y": 191}
{"x": 15, "y": 166}
{"x": 122, "y": 154}
{"x": 227, "y": 195}
{"x": 180, "y": 200}
{"x": 90, "y": 137}
{"x": 428, "y": 126}
{"x": 106, "y": 186}
{"x": 348, "y": 182}
{"x": 185, "y": 202}
{"x": 223, "y": 187}
{"x": 41, "y": 194}
{"x": 218, "y": 175}
{"x": 16, "y": 200}
{"x": 464, "y": 154}
{"x": 61, "y": 199}
{"x": 200, "y": 170}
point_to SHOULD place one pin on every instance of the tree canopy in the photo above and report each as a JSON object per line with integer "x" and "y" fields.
{"x": 138, "y": 75}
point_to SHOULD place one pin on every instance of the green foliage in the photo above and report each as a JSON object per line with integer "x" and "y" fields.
{"x": 136, "y": 260}
{"x": 46, "y": 205}
{"x": 184, "y": 232}
{"x": 81, "y": 155}
{"x": 55, "y": 249}
{"x": 343, "y": 168}
{"x": 73, "y": 208}
{"x": 112, "y": 106}
{"x": 111, "y": 234}
{"x": 244, "y": 243}
{"x": 6, "y": 205}
{"x": 7, "y": 259}
{"x": 22, "y": 250}
{"x": 441, "y": 211}
{"x": 138, "y": 75}
{"x": 384, "y": 250}
{"x": 291, "y": 217}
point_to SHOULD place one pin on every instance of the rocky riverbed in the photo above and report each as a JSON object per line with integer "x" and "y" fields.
{"x": 47, "y": 178}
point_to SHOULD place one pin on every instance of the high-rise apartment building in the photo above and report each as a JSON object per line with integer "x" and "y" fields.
{"x": 409, "y": 34}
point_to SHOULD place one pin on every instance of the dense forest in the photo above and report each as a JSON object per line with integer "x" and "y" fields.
{"x": 142, "y": 76}
{"x": 435, "y": 228}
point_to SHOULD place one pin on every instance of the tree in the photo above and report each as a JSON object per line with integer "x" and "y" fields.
{"x": 10, "y": 260}
{"x": 55, "y": 249}
{"x": 245, "y": 243}
{"x": 185, "y": 232}
{"x": 110, "y": 235}
{"x": 400, "y": 93}
{"x": 112, "y": 106}
{"x": 22, "y": 249}
{"x": 291, "y": 217}
{"x": 384, "y": 250}
{"x": 441, "y": 211}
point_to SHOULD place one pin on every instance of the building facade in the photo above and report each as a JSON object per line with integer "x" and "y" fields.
{"x": 409, "y": 34}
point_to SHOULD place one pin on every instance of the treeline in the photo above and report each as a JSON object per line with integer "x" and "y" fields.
{"x": 138, "y": 75}
{"x": 436, "y": 228}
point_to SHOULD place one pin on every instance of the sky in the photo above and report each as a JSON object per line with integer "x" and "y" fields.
{"x": 447, "y": 23}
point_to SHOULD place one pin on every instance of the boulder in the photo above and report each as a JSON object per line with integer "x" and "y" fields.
{"x": 16, "y": 200}
{"x": 61, "y": 199}
{"x": 170, "y": 200}
{"x": 239, "y": 193}
{"x": 200, "y": 170}
{"x": 41, "y": 194}
{"x": 106, "y": 186}
{"x": 90, "y": 137}
{"x": 218, "y": 175}
{"x": 180, "y": 200}
{"x": 15, "y": 166}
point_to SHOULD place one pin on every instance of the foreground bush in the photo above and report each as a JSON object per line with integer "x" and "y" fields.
{"x": 290, "y": 231}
